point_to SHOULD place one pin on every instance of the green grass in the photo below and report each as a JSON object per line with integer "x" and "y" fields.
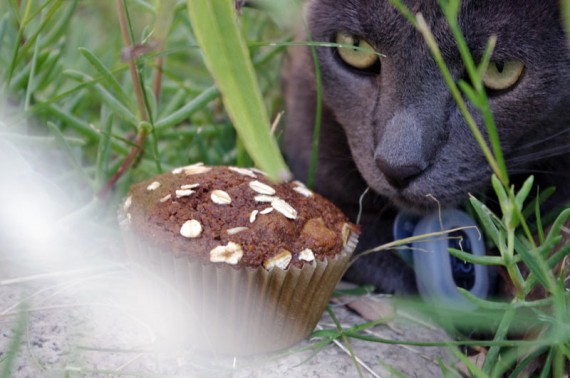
{"x": 121, "y": 91}
{"x": 161, "y": 98}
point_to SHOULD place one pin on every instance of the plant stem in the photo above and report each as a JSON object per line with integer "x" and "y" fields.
{"x": 137, "y": 149}
{"x": 436, "y": 53}
{"x": 127, "y": 43}
{"x": 318, "y": 117}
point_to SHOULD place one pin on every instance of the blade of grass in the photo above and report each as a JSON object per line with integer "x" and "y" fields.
{"x": 74, "y": 162}
{"x": 318, "y": 117}
{"x": 107, "y": 76}
{"x": 493, "y": 355}
{"x": 47, "y": 75}
{"x": 103, "y": 149}
{"x": 31, "y": 77}
{"x": 62, "y": 23}
{"x": 470, "y": 365}
{"x": 198, "y": 103}
{"x": 565, "y": 5}
{"x": 49, "y": 15}
{"x": 451, "y": 11}
{"x": 436, "y": 53}
{"x": 14, "y": 345}
{"x": 518, "y": 371}
{"x": 479, "y": 260}
{"x": 489, "y": 221}
{"x": 107, "y": 98}
{"x": 548, "y": 363}
{"x": 17, "y": 45}
{"x": 3, "y": 23}
{"x": 500, "y": 306}
{"x": 345, "y": 339}
{"x": 226, "y": 56}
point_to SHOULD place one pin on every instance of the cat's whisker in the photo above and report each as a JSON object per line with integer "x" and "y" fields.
{"x": 544, "y": 172}
{"x": 549, "y": 138}
{"x": 535, "y": 156}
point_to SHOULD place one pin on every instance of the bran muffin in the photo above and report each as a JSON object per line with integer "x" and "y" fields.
{"x": 249, "y": 264}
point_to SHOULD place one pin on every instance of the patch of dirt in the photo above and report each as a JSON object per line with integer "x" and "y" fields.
{"x": 86, "y": 321}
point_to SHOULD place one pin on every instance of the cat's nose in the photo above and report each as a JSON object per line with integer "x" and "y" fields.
{"x": 400, "y": 174}
{"x": 404, "y": 150}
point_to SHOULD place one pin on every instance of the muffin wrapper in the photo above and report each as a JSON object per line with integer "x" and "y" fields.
{"x": 221, "y": 309}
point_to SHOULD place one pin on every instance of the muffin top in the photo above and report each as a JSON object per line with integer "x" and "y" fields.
{"x": 235, "y": 216}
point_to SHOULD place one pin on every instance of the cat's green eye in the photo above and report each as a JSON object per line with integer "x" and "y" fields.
{"x": 502, "y": 75}
{"x": 357, "y": 58}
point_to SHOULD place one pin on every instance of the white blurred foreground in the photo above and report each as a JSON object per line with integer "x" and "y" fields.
{"x": 65, "y": 278}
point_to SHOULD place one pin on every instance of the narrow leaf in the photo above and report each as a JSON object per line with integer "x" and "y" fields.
{"x": 524, "y": 191}
{"x": 108, "y": 98}
{"x": 69, "y": 152}
{"x": 187, "y": 110}
{"x": 474, "y": 259}
{"x": 225, "y": 53}
{"x": 106, "y": 75}
{"x": 473, "y": 97}
{"x": 487, "y": 220}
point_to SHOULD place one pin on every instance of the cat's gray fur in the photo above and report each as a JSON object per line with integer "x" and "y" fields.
{"x": 400, "y": 132}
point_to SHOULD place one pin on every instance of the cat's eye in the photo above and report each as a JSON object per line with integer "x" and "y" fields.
{"x": 362, "y": 58}
{"x": 502, "y": 75}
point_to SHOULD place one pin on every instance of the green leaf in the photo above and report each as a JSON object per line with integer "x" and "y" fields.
{"x": 556, "y": 227}
{"x": 538, "y": 267}
{"x": 500, "y": 191}
{"x": 81, "y": 126}
{"x": 502, "y": 306}
{"x": 103, "y": 148}
{"x": 226, "y": 56}
{"x": 107, "y": 75}
{"x": 487, "y": 220}
{"x": 107, "y": 97}
{"x": 180, "y": 115}
{"x": 565, "y": 5}
{"x": 318, "y": 119}
{"x": 164, "y": 18}
{"x": 470, "y": 93}
{"x": 474, "y": 370}
{"x": 558, "y": 256}
{"x": 69, "y": 152}
{"x": 59, "y": 29}
{"x": 484, "y": 62}
{"x": 524, "y": 191}
{"x": 47, "y": 74}
{"x": 3, "y": 27}
{"x": 15, "y": 344}
{"x": 480, "y": 260}
{"x": 494, "y": 352}
{"x": 548, "y": 364}
{"x": 31, "y": 79}
{"x": 30, "y": 40}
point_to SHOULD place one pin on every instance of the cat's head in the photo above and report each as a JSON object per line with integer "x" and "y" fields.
{"x": 405, "y": 131}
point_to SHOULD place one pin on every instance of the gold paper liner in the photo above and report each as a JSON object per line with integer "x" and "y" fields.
{"x": 216, "y": 308}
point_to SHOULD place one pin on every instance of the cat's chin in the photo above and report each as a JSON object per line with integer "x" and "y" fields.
{"x": 427, "y": 206}
{"x": 428, "y": 192}
{"x": 422, "y": 203}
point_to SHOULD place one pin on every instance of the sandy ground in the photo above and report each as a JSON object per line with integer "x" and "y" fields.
{"x": 87, "y": 323}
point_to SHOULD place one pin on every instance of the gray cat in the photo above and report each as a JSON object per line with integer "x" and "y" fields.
{"x": 391, "y": 124}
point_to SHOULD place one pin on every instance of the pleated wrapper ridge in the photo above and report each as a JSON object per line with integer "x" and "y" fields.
{"x": 227, "y": 310}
